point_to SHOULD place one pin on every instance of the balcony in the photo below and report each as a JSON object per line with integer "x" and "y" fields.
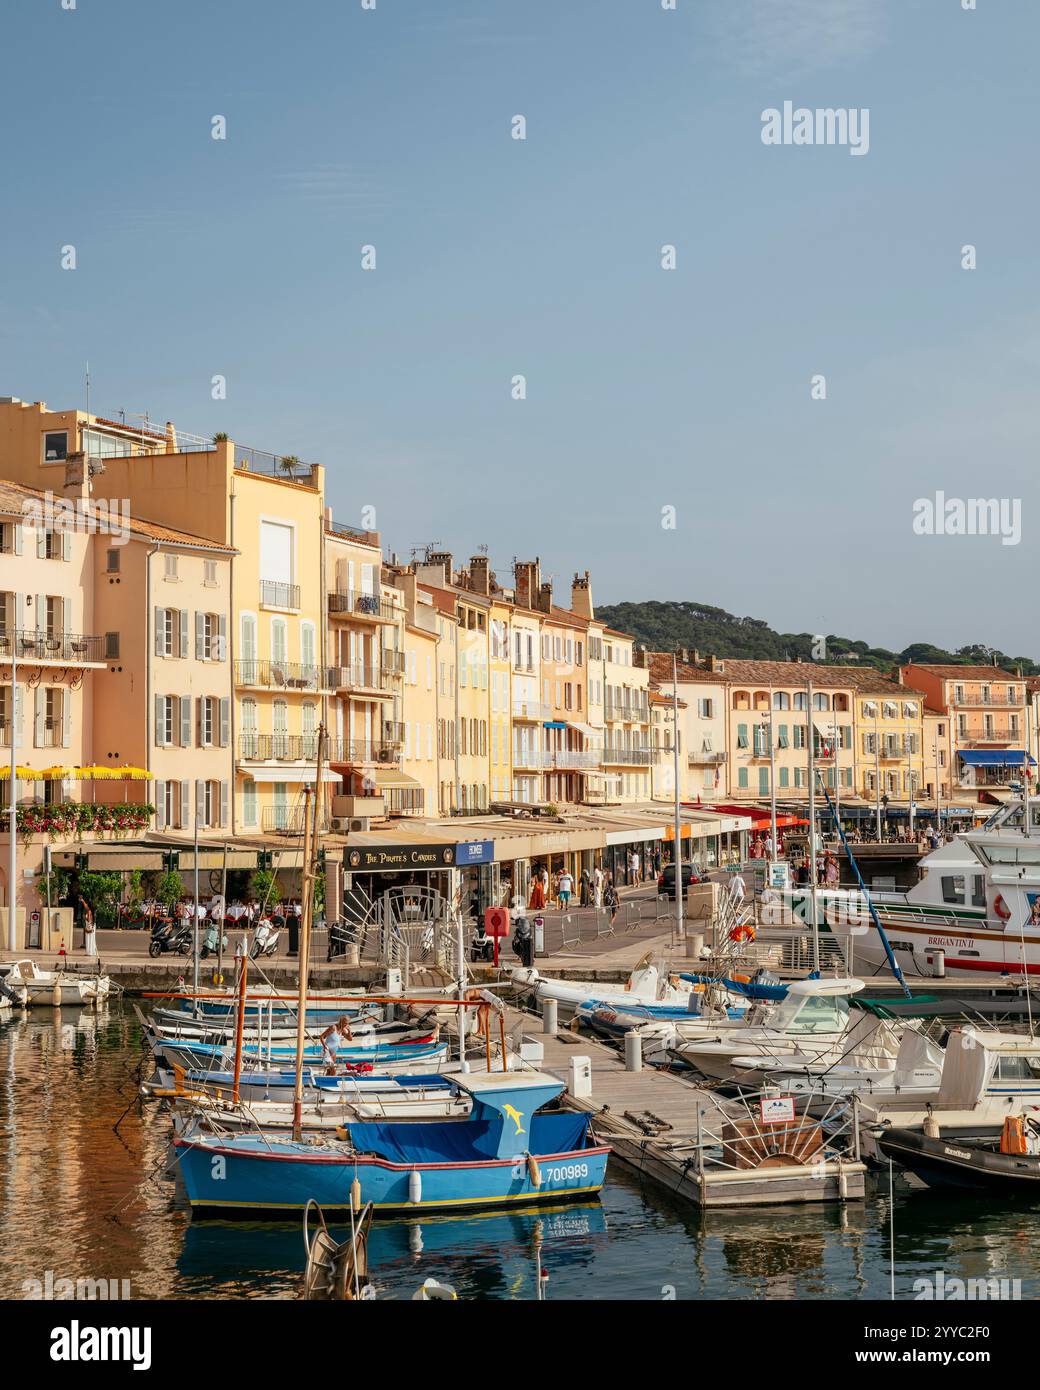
{"x": 281, "y": 748}
{"x": 991, "y": 701}
{"x": 531, "y": 710}
{"x": 280, "y": 675}
{"x": 1002, "y": 733}
{"x": 354, "y": 752}
{"x": 275, "y": 594}
{"x": 698, "y": 759}
{"x": 626, "y": 714}
{"x": 574, "y": 759}
{"x": 393, "y": 662}
{"x": 613, "y": 756}
{"x": 393, "y": 731}
{"x": 286, "y": 820}
{"x": 368, "y": 608}
{"x": 59, "y": 649}
{"x": 358, "y": 678}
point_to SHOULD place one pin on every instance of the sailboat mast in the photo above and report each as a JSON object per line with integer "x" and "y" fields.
{"x": 12, "y": 792}
{"x": 811, "y": 734}
{"x": 310, "y": 856}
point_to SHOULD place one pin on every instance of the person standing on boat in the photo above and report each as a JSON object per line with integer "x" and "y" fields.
{"x": 332, "y": 1040}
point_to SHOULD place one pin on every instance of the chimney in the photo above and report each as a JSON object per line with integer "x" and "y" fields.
{"x": 77, "y": 477}
{"x": 480, "y": 574}
{"x": 899, "y": 675}
{"x": 696, "y": 657}
{"x": 640, "y": 657}
{"x": 545, "y": 597}
{"x": 442, "y": 558}
{"x": 581, "y": 595}
{"x": 684, "y": 656}
{"x": 528, "y": 577}
{"x": 714, "y": 664}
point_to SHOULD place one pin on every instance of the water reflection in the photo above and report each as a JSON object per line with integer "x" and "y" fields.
{"x": 85, "y": 1192}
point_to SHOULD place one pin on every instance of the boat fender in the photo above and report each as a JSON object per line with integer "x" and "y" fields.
{"x": 342, "y": 1132}
{"x": 533, "y": 1171}
{"x": 56, "y": 994}
{"x": 415, "y": 1187}
{"x": 1001, "y": 908}
{"x": 355, "y": 1195}
{"x": 931, "y": 1127}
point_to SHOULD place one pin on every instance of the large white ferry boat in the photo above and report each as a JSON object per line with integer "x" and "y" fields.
{"x": 974, "y": 912}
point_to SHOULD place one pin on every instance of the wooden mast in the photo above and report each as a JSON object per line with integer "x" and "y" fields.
{"x": 311, "y": 807}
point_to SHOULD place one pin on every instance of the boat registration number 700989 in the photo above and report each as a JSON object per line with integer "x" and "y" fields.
{"x": 566, "y": 1171}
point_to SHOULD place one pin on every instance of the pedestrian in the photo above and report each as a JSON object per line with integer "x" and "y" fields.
{"x": 89, "y": 935}
{"x": 537, "y": 903}
{"x": 585, "y": 897}
{"x": 332, "y": 1039}
{"x": 564, "y": 886}
{"x": 597, "y": 886}
{"x": 611, "y": 899}
{"x": 737, "y": 889}
{"x": 831, "y": 871}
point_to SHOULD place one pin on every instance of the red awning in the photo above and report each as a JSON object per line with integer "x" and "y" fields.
{"x": 760, "y": 818}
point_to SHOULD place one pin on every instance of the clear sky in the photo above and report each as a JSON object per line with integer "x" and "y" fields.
{"x": 495, "y": 257}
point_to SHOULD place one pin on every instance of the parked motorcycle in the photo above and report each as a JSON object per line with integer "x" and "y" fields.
{"x": 265, "y": 940}
{"x": 170, "y": 936}
{"x": 341, "y": 935}
{"x": 481, "y": 946}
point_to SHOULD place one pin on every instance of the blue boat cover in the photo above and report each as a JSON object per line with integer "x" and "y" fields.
{"x": 748, "y": 989}
{"x": 465, "y": 1141}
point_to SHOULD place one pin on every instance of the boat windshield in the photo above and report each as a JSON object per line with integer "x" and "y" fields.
{"x": 1018, "y": 1067}
{"x": 813, "y": 1014}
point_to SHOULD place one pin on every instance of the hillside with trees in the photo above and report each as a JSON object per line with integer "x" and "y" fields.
{"x": 662, "y": 626}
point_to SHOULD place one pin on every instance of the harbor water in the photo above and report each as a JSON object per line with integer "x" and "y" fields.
{"x": 87, "y": 1194}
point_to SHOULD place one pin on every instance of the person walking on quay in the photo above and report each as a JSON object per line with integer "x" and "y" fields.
{"x": 737, "y": 890}
{"x": 830, "y": 872}
{"x": 611, "y": 899}
{"x": 564, "y": 887}
{"x": 597, "y": 886}
{"x": 537, "y": 903}
{"x": 585, "y": 889}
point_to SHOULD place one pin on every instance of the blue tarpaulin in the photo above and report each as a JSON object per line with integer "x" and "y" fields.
{"x": 998, "y": 757}
{"x": 465, "y": 1141}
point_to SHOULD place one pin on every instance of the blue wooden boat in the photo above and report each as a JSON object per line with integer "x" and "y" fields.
{"x": 504, "y": 1153}
{"x": 278, "y": 1085}
{"x": 219, "y": 1057}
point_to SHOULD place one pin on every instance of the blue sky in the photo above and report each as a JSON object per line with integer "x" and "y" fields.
{"x": 645, "y": 388}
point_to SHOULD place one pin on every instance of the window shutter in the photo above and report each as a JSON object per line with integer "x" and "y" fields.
{"x": 200, "y": 801}
{"x": 66, "y": 546}
{"x": 183, "y": 626}
{"x": 225, "y": 721}
{"x": 185, "y": 805}
{"x": 221, "y": 652}
{"x": 160, "y": 721}
{"x": 185, "y": 721}
{"x": 41, "y": 543}
{"x": 17, "y": 716}
{"x": 66, "y": 718}
{"x": 41, "y": 715}
{"x": 160, "y": 805}
{"x": 19, "y": 539}
{"x": 199, "y": 721}
{"x": 160, "y": 626}
{"x": 200, "y": 635}
{"x": 225, "y": 798}
{"x": 41, "y": 612}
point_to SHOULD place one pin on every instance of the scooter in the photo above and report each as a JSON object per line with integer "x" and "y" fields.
{"x": 481, "y": 946}
{"x": 210, "y": 946}
{"x": 169, "y": 936}
{"x": 523, "y": 941}
{"x": 265, "y": 940}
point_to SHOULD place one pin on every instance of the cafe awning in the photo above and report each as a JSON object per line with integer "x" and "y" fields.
{"x": 995, "y": 757}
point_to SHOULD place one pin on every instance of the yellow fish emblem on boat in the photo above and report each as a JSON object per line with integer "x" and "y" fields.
{"x": 515, "y": 1115}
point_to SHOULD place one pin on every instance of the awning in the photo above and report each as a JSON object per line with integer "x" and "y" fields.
{"x": 553, "y": 724}
{"x": 297, "y": 776}
{"x": 998, "y": 757}
{"x": 393, "y": 777}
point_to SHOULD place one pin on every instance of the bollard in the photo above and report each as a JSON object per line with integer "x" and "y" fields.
{"x": 633, "y": 1051}
{"x": 580, "y": 1084}
{"x": 938, "y": 960}
{"x": 694, "y": 944}
{"x": 549, "y": 1016}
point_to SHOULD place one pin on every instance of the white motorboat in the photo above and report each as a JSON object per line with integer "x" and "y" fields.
{"x": 974, "y": 913}
{"x": 986, "y": 1076}
{"x": 812, "y": 1021}
{"x": 56, "y": 987}
{"x": 867, "y": 1068}
{"x": 644, "y": 986}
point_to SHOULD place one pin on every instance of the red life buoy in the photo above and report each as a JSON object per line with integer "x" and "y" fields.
{"x": 742, "y": 933}
{"x": 1001, "y": 908}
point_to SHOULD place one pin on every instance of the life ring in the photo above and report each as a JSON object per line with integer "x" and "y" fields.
{"x": 1001, "y": 908}
{"x": 744, "y": 932}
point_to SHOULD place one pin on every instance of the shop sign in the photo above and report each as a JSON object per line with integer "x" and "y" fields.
{"x": 398, "y": 858}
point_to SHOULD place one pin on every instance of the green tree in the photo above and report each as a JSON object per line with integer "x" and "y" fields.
{"x": 168, "y": 887}
{"x": 102, "y": 892}
{"x": 265, "y": 886}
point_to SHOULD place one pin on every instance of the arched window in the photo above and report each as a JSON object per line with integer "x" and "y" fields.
{"x": 781, "y": 700}
{"x": 821, "y": 702}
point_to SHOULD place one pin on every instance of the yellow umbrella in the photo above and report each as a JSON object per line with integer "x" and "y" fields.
{"x": 112, "y": 774}
{"x": 24, "y": 774}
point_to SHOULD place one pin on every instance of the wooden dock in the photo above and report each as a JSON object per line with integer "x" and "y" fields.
{"x": 661, "y": 1126}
